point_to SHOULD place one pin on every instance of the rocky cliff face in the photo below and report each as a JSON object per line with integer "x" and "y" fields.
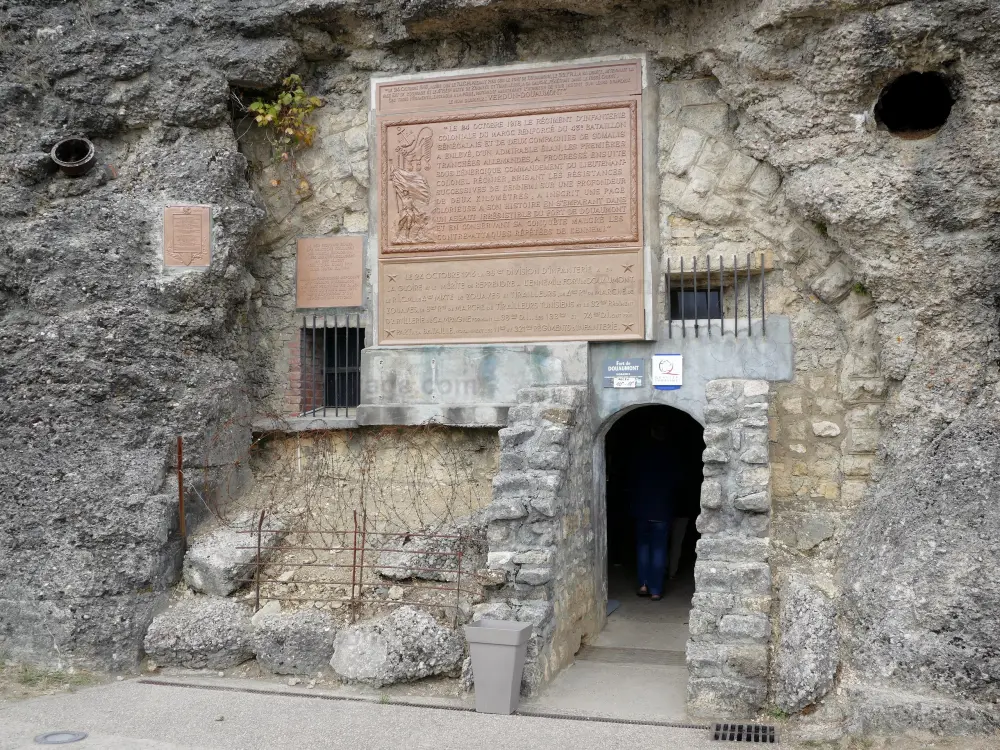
{"x": 105, "y": 357}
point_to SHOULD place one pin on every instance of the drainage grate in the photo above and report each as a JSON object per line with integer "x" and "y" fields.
{"x": 59, "y": 738}
{"x": 760, "y": 733}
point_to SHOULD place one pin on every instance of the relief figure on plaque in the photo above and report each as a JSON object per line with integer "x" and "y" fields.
{"x": 413, "y": 155}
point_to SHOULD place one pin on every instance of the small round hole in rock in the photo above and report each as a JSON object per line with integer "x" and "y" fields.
{"x": 915, "y": 105}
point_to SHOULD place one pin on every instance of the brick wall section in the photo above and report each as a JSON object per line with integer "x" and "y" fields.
{"x": 541, "y": 544}
{"x": 727, "y": 653}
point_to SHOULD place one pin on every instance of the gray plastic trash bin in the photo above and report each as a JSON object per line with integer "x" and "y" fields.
{"x": 498, "y": 649}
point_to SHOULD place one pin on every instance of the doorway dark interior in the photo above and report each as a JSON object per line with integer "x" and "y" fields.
{"x": 649, "y": 450}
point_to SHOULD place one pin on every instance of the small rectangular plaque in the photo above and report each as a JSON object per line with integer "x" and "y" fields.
{"x": 579, "y": 297}
{"x": 329, "y": 271}
{"x": 624, "y": 373}
{"x": 667, "y": 372}
{"x": 187, "y": 236}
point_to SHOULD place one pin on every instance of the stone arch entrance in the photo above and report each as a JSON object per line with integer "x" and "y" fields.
{"x": 729, "y": 626}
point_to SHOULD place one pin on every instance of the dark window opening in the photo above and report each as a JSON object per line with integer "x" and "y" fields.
{"x": 688, "y": 305}
{"x": 915, "y": 105}
{"x": 331, "y": 368}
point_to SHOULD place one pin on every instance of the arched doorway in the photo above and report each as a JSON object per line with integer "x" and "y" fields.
{"x": 653, "y": 475}
{"x": 638, "y": 659}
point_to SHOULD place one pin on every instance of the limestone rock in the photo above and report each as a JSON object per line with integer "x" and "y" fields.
{"x": 825, "y": 429}
{"x": 219, "y": 561}
{"x": 404, "y": 646}
{"x": 295, "y": 643}
{"x": 200, "y": 632}
{"x": 435, "y": 558}
{"x": 808, "y": 648}
{"x": 834, "y": 283}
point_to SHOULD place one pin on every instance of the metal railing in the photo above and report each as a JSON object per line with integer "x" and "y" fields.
{"x": 360, "y": 550}
{"x": 730, "y": 284}
{"x": 330, "y": 356}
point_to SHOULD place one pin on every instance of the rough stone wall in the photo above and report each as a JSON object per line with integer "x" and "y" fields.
{"x": 105, "y": 358}
{"x": 730, "y": 629}
{"x": 404, "y": 478}
{"x": 895, "y": 379}
{"x": 541, "y": 540}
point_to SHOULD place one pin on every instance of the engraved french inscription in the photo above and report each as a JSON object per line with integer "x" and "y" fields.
{"x": 329, "y": 271}
{"x": 541, "y": 297}
{"x": 187, "y": 236}
{"x": 554, "y": 177}
{"x": 584, "y": 81}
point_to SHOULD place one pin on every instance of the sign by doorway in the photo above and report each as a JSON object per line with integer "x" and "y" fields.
{"x": 624, "y": 373}
{"x": 667, "y": 372}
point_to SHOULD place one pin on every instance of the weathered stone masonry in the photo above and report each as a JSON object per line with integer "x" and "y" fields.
{"x": 730, "y": 627}
{"x": 540, "y": 534}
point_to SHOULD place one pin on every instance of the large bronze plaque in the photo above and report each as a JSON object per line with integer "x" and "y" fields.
{"x": 510, "y": 205}
{"x": 187, "y": 236}
{"x": 521, "y": 87}
{"x": 583, "y": 296}
{"x": 328, "y": 271}
{"x": 559, "y": 176}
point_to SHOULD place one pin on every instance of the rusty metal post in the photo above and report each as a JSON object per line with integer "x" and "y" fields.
{"x": 180, "y": 488}
{"x": 354, "y": 564}
{"x": 256, "y": 574}
{"x": 361, "y": 563}
{"x": 458, "y": 583}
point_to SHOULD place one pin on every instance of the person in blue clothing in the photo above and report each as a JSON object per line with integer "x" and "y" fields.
{"x": 654, "y": 475}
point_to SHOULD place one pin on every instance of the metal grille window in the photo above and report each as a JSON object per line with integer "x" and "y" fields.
{"x": 331, "y": 364}
{"x": 716, "y": 294}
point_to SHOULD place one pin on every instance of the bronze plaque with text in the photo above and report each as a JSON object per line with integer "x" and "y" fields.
{"x": 581, "y": 296}
{"x": 328, "y": 271}
{"x": 559, "y": 176}
{"x": 510, "y": 205}
{"x": 187, "y": 236}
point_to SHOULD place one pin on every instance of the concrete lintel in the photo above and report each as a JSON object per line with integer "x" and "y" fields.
{"x": 706, "y": 358}
{"x": 466, "y": 376}
{"x": 303, "y": 424}
{"x": 490, "y": 415}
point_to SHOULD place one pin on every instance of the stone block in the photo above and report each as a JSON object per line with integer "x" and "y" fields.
{"x": 813, "y": 529}
{"x": 741, "y": 578}
{"x": 765, "y": 181}
{"x": 754, "y": 455}
{"x": 834, "y": 283}
{"x": 685, "y": 151}
{"x": 406, "y": 645}
{"x": 758, "y": 502}
{"x": 807, "y": 655}
{"x": 825, "y": 429}
{"x": 295, "y": 643}
{"x": 718, "y": 210}
{"x": 736, "y": 173}
{"x": 547, "y": 503}
{"x": 699, "y": 91}
{"x": 505, "y": 509}
{"x": 714, "y": 455}
{"x": 712, "y": 697}
{"x": 752, "y": 388}
{"x": 219, "y": 561}
{"x": 719, "y": 412}
{"x": 512, "y": 437}
{"x": 752, "y": 628}
{"x": 721, "y": 390}
{"x": 752, "y": 479}
{"x": 534, "y": 557}
{"x": 711, "y": 494}
{"x": 701, "y": 623}
{"x": 534, "y": 575}
{"x": 200, "y": 632}
{"x": 716, "y": 435}
{"x": 715, "y": 155}
{"x": 862, "y": 440}
{"x": 705, "y": 659}
{"x": 733, "y": 549}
